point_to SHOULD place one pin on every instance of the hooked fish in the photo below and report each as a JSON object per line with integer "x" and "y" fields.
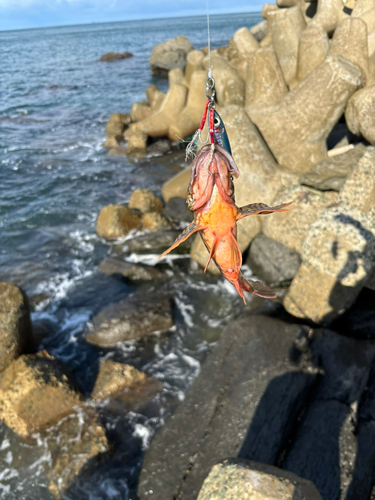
{"x": 211, "y": 199}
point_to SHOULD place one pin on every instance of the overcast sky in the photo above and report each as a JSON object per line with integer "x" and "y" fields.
{"x": 21, "y": 14}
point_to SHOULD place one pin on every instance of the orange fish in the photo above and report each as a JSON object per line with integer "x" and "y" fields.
{"x": 211, "y": 199}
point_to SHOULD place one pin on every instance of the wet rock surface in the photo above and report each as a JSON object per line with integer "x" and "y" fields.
{"x": 115, "y": 221}
{"x": 15, "y": 324}
{"x": 115, "y": 56}
{"x": 132, "y": 318}
{"x": 36, "y": 390}
{"x": 134, "y": 272}
{"x": 157, "y": 242}
{"x": 113, "y": 378}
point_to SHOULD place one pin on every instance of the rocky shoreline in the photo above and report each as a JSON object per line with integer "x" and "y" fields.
{"x": 283, "y": 406}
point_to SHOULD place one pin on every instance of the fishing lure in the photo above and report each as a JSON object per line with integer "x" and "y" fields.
{"x": 211, "y": 199}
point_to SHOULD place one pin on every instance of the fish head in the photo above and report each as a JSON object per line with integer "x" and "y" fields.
{"x": 213, "y": 165}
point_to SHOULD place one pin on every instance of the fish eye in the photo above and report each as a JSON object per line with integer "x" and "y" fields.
{"x": 216, "y": 122}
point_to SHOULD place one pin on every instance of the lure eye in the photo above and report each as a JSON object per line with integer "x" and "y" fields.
{"x": 216, "y": 122}
{"x": 231, "y": 177}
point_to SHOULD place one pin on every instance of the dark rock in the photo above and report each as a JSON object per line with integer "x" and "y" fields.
{"x": 132, "y": 318}
{"x": 36, "y": 390}
{"x": 177, "y": 210}
{"x": 271, "y": 261}
{"x": 159, "y": 148}
{"x": 134, "y": 272}
{"x": 75, "y": 443}
{"x": 315, "y": 452}
{"x": 235, "y": 479}
{"x": 169, "y": 55}
{"x": 157, "y": 242}
{"x": 115, "y": 56}
{"x": 359, "y": 320}
{"x": 42, "y": 328}
{"x": 331, "y": 173}
{"x": 245, "y": 402}
{"x": 15, "y": 324}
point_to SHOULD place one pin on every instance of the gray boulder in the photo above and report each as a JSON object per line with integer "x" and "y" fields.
{"x": 134, "y": 317}
{"x": 15, "y": 324}
{"x": 271, "y": 261}
{"x": 134, "y": 272}
{"x": 331, "y": 173}
{"x": 169, "y": 55}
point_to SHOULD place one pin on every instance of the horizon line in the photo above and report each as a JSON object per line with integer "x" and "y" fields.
{"x": 129, "y": 20}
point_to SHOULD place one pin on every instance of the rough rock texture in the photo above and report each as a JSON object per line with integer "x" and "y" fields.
{"x": 295, "y": 129}
{"x": 113, "y": 378}
{"x": 15, "y": 324}
{"x": 177, "y": 185}
{"x": 291, "y": 228}
{"x": 259, "y": 31}
{"x": 286, "y": 30}
{"x": 136, "y": 140}
{"x": 140, "y": 110}
{"x": 194, "y": 62}
{"x": 191, "y": 116}
{"x": 155, "y": 222}
{"x": 260, "y": 176}
{"x": 76, "y": 442}
{"x": 339, "y": 251}
{"x": 134, "y": 272}
{"x": 36, "y": 391}
{"x": 350, "y": 41}
{"x": 247, "y": 400}
{"x": 265, "y": 83}
{"x": 271, "y": 261}
{"x": 329, "y": 14}
{"x": 155, "y": 97}
{"x": 115, "y": 127}
{"x": 145, "y": 201}
{"x": 313, "y": 48}
{"x": 134, "y": 317}
{"x": 229, "y": 86}
{"x": 234, "y": 479}
{"x": 169, "y": 55}
{"x": 240, "y": 47}
{"x": 115, "y": 56}
{"x": 359, "y": 111}
{"x": 115, "y": 221}
{"x": 157, "y": 125}
{"x": 331, "y": 173}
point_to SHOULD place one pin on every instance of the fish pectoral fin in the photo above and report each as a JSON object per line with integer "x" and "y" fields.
{"x": 257, "y": 288}
{"x": 261, "y": 209}
{"x": 211, "y": 254}
{"x": 191, "y": 229}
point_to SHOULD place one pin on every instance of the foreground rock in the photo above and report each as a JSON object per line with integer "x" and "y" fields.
{"x": 331, "y": 173}
{"x": 84, "y": 441}
{"x": 339, "y": 251}
{"x": 145, "y": 201}
{"x": 234, "y": 479}
{"x": 169, "y": 55}
{"x": 113, "y": 378}
{"x": 115, "y": 221}
{"x": 295, "y": 129}
{"x": 132, "y": 318}
{"x": 15, "y": 324}
{"x": 115, "y": 56}
{"x": 35, "y": 391}
{"x": 271, "y": 261}
{"x": 227, "y": 396}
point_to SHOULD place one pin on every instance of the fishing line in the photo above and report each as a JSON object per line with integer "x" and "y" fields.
{"x": 208, "y": 39}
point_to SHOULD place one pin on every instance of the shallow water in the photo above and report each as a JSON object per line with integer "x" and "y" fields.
{"x": 55, "y": 176}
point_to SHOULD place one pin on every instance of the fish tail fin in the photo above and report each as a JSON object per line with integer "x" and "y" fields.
{"x": 255, "y": 287}
{"x": 191, "y": 229}
{"x": 261, "y": 209}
